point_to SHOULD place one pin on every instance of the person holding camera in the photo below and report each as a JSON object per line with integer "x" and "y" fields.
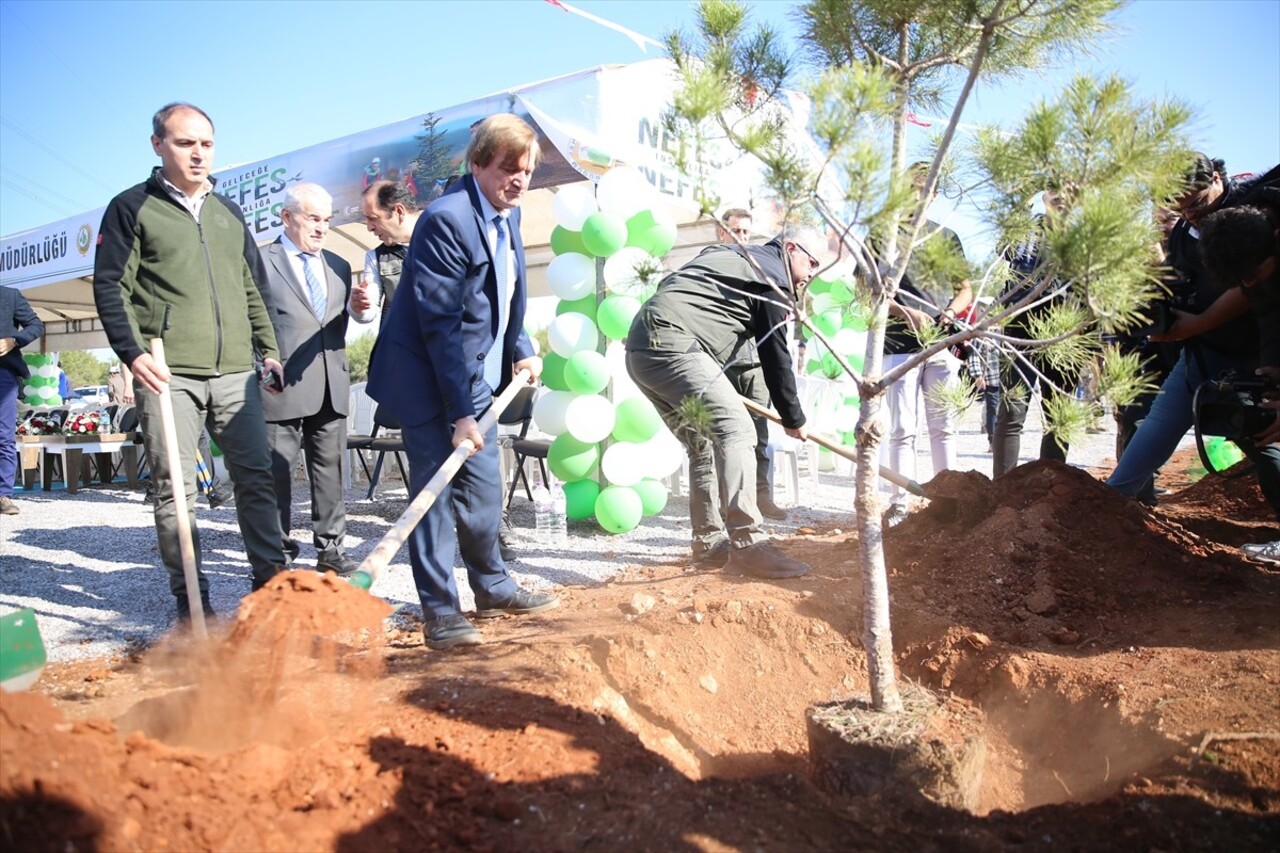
{"x": 1219, "y": 337}
{"x": 1240, "y": 247}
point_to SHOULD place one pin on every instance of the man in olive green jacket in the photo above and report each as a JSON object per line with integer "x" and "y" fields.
{"x": 175, "y": 261}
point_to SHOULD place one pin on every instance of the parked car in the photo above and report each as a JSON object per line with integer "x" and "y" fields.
{"x": 88, "y": 396}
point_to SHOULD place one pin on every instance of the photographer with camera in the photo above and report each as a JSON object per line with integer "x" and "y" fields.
{"x": 1219, "y": 335}
{"x": 1240, "y": 247}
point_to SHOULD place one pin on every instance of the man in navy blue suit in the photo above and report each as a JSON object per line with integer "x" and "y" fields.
{"x": 455, "y": 336}
{"x": 19, "y": 326}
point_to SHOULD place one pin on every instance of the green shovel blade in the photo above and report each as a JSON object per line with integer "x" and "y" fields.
{"x": 22, "y": 654}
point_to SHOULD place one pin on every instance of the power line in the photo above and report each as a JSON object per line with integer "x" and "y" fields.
{"x": 56, "y": 208}
{"x": 43, "y": 189}
{"x": 54, "y": 154}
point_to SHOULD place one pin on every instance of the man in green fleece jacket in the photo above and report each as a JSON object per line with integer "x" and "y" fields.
{"x": 175, "y": 261}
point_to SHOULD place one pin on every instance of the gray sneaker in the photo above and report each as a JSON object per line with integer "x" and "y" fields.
{"x": 1267, "y": 552}
{"x": 447, "y": 632}
{"x": 765, "y": 560}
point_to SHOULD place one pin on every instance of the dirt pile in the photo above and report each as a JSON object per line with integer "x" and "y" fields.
{"x": 1099, "y": 642}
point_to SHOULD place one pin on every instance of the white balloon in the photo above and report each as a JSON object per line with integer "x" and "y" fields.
{"x": 534, "y": 345}
{"x": 663, "y": 454}
{"x": 624, "y": 190}
{"x": 46, "y": 391}
{"x": 623, "y": 464}
{"x": 589, "y": 418}
{"x": 549, "y": 411}
{"x": 848, "y": 342}
{"x": 47, "y": 371}
{"x": 846, "y": 418}
{"x": 571, "y": 332}
{"x": 620, "y": 270}
{"x": 571, "y": 276}
{"x": 572, "y": 204}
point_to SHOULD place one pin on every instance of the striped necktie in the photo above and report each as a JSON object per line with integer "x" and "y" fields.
{"x": 319, "y": 302}
{"x": 502, "y": 272}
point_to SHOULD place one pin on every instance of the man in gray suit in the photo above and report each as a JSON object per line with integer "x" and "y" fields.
{"x": 310, "y": 289}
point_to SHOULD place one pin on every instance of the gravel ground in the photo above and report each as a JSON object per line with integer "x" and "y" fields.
{"x": 89, "y": 567}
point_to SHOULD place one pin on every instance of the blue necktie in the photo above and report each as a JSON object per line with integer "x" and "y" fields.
{"x": 319, "y": 302}
{"x": 502, "y": 272}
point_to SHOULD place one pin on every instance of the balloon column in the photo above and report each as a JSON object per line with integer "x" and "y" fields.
{"x": 611, "y": 448}
{"x": 41, "y": 388}
{"x": 835, "y": 310}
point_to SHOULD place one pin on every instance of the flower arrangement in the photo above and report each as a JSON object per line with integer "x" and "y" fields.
{"x": 38, "y": 425}
{"x": 84, "y": 422}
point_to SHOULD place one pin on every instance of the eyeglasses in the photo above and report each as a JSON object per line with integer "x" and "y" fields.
{"x": 813, "y": 262}
{"x": 744, "y": 233}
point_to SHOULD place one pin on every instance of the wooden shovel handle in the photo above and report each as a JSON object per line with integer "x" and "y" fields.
{"x": 382, "y": 553}
{"x": 839, "y": 449}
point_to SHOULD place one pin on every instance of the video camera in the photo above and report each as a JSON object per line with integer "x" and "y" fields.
{"x": 1231, "y": 406}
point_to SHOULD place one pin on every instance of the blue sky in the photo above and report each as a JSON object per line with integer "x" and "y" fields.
{"x": 80, "y": 80}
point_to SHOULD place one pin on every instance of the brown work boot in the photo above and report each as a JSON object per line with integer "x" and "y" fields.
{"x": 765, "y": 560}
{"x": 8, "y": 507}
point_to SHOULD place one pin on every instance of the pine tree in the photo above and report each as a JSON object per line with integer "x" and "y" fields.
{"x": 872, "y": 65}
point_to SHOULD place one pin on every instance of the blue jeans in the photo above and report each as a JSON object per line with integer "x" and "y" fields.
{"x": 1171, "y": 416}
{"x": 473, "y": 499}
{"x": 8, "y": 425}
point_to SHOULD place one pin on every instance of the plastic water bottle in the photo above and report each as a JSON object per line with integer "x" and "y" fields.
{"x": 559, "y": 517}
{"x": 542, "y": 514}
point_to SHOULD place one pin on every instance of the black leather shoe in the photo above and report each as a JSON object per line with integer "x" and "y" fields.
{"x": 337, "y": 562}
{"x": 712, "y": 558}
{"x": 765, "y": 560}
{"x": 521, "y": 603}
{"x": 769, "y": 509}
{"x": 261, "y": 579}
{"x": 446, "y": 632}
{"x": 220, "y": 496}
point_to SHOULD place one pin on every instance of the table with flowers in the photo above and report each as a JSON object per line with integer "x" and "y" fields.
{"x": 82, "y": 433}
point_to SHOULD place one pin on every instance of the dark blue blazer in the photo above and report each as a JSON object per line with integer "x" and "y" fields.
{"x": 19, "y": 322}
{"x": 443, "y": 318}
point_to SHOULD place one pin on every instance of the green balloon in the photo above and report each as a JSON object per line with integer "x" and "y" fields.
{"x": 637, "y": 420}
{"x": 615, "y": 315}
{"x": 586, "y": 305}
{"x": 586, "y": 372}
{"x": 564, "y": 241}
{"x": 656, "y": 234}
{"x": 828, "y": 322}
{"x": 849, "y": 438}
{"x": 819, "y": 286}
{"x": 580, "y": 499}
{"x": 813, "y": 365}
{"x": 841, "y": 292}
{"x": 570, "y": 459}
{"x": 830, "y": 367}
{"x": 619, "y": 509}
{"x": 856, "y": 319}
{"x": 856, "y": 361}
{"x": 653, "y": 496}
{"x": 553, "y": 371}
{"x": 603, "y": 234}
{"x": 822, "y": 303}
{"x": 1222, "y": 453}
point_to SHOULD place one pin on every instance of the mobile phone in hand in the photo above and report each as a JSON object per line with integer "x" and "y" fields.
{"x": 269, "y": 380}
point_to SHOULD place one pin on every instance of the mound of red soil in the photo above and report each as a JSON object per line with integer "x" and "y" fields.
{"x": 1123, "y": 665}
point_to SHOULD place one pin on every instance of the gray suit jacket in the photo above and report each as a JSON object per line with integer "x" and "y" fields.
{"x": 313, "y": 353}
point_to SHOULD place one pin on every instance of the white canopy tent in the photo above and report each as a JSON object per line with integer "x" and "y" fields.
{"x": 589, "y": 122}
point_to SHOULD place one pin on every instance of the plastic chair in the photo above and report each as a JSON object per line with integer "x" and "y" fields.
{"x": 520, "y": 413}
{"x": 380, "y": 442}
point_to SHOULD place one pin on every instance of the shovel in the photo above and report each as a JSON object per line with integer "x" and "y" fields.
{"x": 22, "y": 654}
{"x": 382, "y": 553}
{"x": 177, "y": 478}
{"x": 946, "y": 505}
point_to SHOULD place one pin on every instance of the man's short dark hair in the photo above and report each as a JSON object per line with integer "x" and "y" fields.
{"x": 162, "y": 116}
{"x": 734, "y": 213}
{"x": 1235, "y": 241}
{"x": 387, "y": 194}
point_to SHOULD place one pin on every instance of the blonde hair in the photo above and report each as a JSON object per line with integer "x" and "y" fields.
{"x": 503, "y": 135}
